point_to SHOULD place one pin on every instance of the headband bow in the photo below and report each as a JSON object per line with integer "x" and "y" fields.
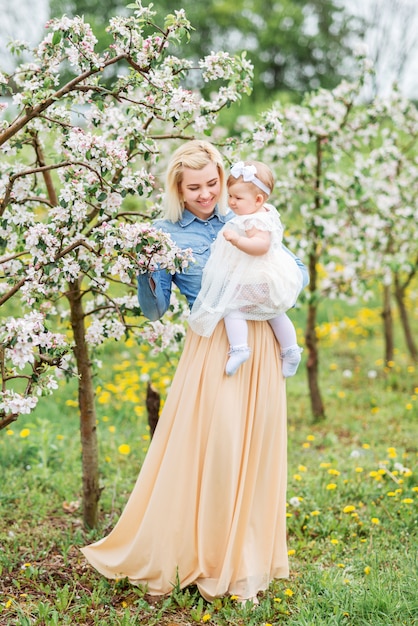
{"x": 248, "y": 173}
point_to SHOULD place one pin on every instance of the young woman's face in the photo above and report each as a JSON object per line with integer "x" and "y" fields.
{"x": 243, "y": 200}
{"x": 200, "y": 190}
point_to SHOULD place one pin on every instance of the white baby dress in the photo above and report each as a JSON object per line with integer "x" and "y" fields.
{"x": 261, "y": 287}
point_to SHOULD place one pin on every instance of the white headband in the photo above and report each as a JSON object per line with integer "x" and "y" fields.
{"x": 248, "y": 173}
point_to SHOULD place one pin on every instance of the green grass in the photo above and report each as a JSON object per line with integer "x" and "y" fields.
{"x": 352, "y": 494}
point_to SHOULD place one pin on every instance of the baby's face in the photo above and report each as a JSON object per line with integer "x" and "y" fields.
{"x": 244, "y": 199}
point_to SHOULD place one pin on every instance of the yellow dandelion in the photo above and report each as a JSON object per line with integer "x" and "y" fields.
{"x": 375, "y": 520}
{"x": 375, "y": 410}
{"x": 367, "y": 570}
{"x": 60, "y": 437}
{"x": 297, "y": 476}
{"x": 334, "y": 541}
{"x": 407, "y": 501}
{"x": 72, "y": 403}
{"x": 206, "y": 617}
{"x": 349, "y": 508}
{"x": 310, "y": 438}
{"x": 359, "y": 470}
{"x": 112, "y": 429}
{"x": 124, "y": 448}
{"x": 306, "y": 444}
{"x": 278, "y": 600}
{"x": 408, "y": 406}
{"x": 291, "y": 552}
{"x": 9, "y": 432}
{"x": 334, "y": 472}
{"x": 331, "y": 486}
{"x": 340, "y": 565}
{"x": 341, "y": 394}
{"x": 288, "y": 592}
{"x": 315, "y": 513}
{"x": 333, "y": 367}
{"x": 366, "y": 446}
{"x": 25, "y": 432}
{"x": 324, "y": 465}
{"x": 391, "y": 494}
{"x": 415, "y": 489}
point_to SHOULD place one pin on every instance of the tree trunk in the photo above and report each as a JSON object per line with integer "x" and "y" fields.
{"x": 152, "y": 402}
{"x": 403, "y": 313}
{"x": 88, "y": 431}
{"x": 311, "y": 340}
{"x": 388, "y": 324}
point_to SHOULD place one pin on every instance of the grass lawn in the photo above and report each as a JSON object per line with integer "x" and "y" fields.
{"x": 352, "y": 497}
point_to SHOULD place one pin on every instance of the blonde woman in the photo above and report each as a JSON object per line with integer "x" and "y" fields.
{"x": 209, "y": 504}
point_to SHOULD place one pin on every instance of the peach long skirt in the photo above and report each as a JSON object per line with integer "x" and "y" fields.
{"x": 209, "y": 505}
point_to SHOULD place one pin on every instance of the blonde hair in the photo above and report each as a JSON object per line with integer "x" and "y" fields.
{"x": 264, "y": 174}
{"x": 195, "y": 154}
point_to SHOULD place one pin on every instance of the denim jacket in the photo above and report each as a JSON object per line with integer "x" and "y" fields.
{"x": 188, "y": 232}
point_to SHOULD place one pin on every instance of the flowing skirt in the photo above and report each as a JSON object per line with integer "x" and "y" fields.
{"x": 209, "y": 504}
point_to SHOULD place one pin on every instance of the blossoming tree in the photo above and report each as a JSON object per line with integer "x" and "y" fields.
{"x": 347, "y": 174}
{"x": 72, "y": 155}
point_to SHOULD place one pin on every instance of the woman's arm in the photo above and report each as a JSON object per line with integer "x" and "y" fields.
{"x": 154, "y": 292}
{"x": 302, "y": 267}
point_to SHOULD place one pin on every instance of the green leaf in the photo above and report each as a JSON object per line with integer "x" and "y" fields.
{"x": 57, "y": 37}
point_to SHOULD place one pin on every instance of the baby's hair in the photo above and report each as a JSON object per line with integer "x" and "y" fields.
{"x": 195, "y": 154}
{"x": 264, "y": 174}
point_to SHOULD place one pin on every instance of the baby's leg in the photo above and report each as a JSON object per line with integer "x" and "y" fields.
{"x": 237, "y": 331}
{"x": 285, "y": 333}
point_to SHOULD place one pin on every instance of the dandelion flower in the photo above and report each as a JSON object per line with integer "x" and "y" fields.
{"x": 124, "y": 449}
{"x": 25, "y": 432}
{"x": 349, "y": 508}
{"x": 367, "y": 570}
{"x": 206, "y": 617}
{"x": 375, "y": 520}
{"x": 334, "y": 541}
{"x": 291, "y": 552}
{"x": 407, "y": 501}
{"x": 331, "y": 486}
{"x": 288, "y": 592}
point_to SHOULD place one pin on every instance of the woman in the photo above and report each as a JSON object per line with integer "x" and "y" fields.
{"x": 209, "y": 504}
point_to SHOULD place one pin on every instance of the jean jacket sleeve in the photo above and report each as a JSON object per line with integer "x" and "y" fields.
{"x": 154, "y": 292}
{"x": 302, "y": 267}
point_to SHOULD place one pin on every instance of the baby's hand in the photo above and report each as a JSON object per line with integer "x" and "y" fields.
{"x": 231, "y": 236}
